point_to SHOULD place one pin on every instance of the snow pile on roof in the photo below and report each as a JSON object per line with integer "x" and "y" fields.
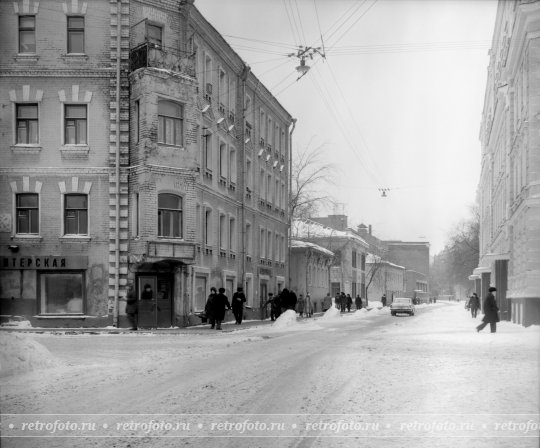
{"x": 331, "y": 313}
{"x": 20, "y": 353}
{"x": 305, "y": 228}
{"x": 316, "y": 247}
{"x": 286, "y": 320}
{"x": 374, "y": 259}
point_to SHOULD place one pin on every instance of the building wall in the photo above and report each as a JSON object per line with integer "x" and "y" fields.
{"x": 51, "y": 78}
{"x": 414, "y": 256}
{"x": 510, "y": 166}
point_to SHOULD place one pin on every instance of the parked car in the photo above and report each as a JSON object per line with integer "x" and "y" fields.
{"x": 403, "y": 305}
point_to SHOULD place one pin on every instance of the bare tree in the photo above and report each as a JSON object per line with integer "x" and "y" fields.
{"x": 309, "y": 177}
{"x": 375, "y": 268}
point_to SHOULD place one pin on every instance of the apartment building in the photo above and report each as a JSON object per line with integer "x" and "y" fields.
{"x": 509, "y": 184}
{"x": 138, "y": 149}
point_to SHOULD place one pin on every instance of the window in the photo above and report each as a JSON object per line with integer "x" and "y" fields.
{"x": 170, "y": 123}
{"x": 76, "y": 214}
{"x": 207, "y": 151}
{"x": 137, "y": 113}
{"x": 27, "y": 213}
{"x": 222, "y": 234}
{"x": 154, "y": 34}
{"x": 207, "y": 227}
{"x": 62, "y": 293}
{"x": 75, "y": 124}
{"x": 169, "y": 215}
{"x": 232, "y": 234}
{"x": 27, "y": 124}
{"x": 75, "y": 34}
{"x": 232, "y": 166}
{"x": 353, "y": 258}
{"x": 223, "y": 160}
{"x": 27, "y": 34}
{"x": 200, "y": 292}
{"x": 248, "y": 239}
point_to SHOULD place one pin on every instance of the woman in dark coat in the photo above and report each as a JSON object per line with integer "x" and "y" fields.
{"x": 491, "y": 312}
{"x": 220, "y": 303}
{"x": 208, "y": 307}
{"x": 131, "y": 307}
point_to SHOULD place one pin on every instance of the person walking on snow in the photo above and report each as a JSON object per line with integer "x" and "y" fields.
{"x": 383, "y": 300}
{"x": 238, "y": 301}
{"x": 474, "y": 304}
{"x": 327, "y": 302}
{"x": 220, "y": 304}
{"x": 349, "y": 303}
{"x": 300, "y": 304}
{"x": 209, "y": 307}
{"x": 358, "y": 302}
{"x": 491, "y": 312}
{"x": 308, "y": 306}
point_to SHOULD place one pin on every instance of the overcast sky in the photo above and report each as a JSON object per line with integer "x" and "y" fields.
{"x": 397, "y": 102}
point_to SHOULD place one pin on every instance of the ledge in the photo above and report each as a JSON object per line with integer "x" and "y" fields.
{"x": 75, "y": 151}
{"x": 75, "y": 58}
{"x": 26, "y": 57}
{"x": 26, "y": 149}
{"x": 20, "y": 238}
{"x": 61, "y": 316}
{"x": 75, "y": 239}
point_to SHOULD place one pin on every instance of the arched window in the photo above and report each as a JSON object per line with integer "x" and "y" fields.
{"x": 170, "y": 215}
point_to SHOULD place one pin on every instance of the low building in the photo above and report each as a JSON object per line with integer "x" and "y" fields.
{"x": 386, "y": 278}
{"x": 310, "y": 271}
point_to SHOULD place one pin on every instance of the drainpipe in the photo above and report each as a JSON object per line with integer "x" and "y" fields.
{"x": 117, "y": 168}
{"x": 289, "y": 214}
{"x": 244, "y": 76}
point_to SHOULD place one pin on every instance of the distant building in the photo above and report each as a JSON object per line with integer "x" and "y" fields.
{"x": 388, "y": 278}
{"x": 347, "y": 273}
{"x": 509, "y": 185}
{"x": 414, "y": 256}
{"x": 310, "y": 271}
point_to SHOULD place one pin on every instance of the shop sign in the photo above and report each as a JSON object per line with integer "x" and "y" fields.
{"x": 43, "y": 262}
{"x": 265, "y": 271}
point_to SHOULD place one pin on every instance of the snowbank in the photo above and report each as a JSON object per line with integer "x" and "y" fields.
{"x": 20, "y": 353}
{"x": 374, "y": 304}
{"x": 331, "y": 313}
{"x": 17, "y": 324}
{"x": 286, "y": 320}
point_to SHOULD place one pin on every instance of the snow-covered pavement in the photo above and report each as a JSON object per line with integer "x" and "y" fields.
{"x": 359, "y": 379}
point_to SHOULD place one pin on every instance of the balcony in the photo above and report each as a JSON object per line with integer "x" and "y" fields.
{"x": 148, "y": 54}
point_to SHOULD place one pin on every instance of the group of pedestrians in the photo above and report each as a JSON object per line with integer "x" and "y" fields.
{"x": 218, "y": 303}
{"x": 344, "y": 302}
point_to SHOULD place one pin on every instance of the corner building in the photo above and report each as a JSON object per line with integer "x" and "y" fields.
{"x": 209, "y": 169}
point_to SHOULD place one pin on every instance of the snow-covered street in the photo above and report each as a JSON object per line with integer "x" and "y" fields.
{"x": 359, "y": 379}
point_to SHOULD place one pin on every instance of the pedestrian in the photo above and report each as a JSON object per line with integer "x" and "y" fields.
{"x": 358, "y": 302}
{"x": 272, "y": 302}
{"x": 147, "y": 293}
{"x": 327, "y": 302}
{"x": 474, "y": 304}
{"x": 209, "y": 307}
{"x": 220, "y": 303}
{"x": 491, "y": 312}
{"x": 342, "y": 301}
{"x": 349, "y": 303}
{"x": 308, "y": 306}
{"x": 300, "y": 304}
{"x": 238, "y": 301}
{"x": 383, "y": 300}
{"x": 132, "y": 307}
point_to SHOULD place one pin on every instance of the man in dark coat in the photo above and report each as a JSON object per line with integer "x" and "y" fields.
{"x": 383, "y": 300}
{"x": 131, "y": 307}
{"x": 491, "y": 312}
{"x": 220, "y": 303}
{"x": 208, "y": 307}
{"x": 358, "y": 302}
{"x": 238, "y": 301}
{"x": 474, "y": 304}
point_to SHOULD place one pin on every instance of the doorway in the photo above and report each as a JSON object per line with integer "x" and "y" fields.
{"x": 155, "y": 294}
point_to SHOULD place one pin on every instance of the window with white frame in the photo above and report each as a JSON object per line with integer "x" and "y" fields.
{"x": 248, "y": 239}
{"x": 223, "y": 160}
{"x": 249, "y": 175}
{"x": 27, "y": 34}
{"x": 75, "y": 34}
{"x": 75, "y": 124}
{"x": 170, "y": 123}
{"x": 207, "y": 150}
{"x": 27, "y": 123}
{"x": 262, "y": 244}
{"x": 269, "y": 247}
{"x": 170, "y": 215}
{"x": 208, "y": 227}
{"x": 76, "y": 214}
{"x": 232, "y": 165}
{"x": 277, "y": 248}
{"x": 27, "y": 205}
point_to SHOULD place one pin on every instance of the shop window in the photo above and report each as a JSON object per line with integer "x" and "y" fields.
{"x": 27, "y": 213}
{"x": 75, "y": 124}
{"x": 75, "y": 34}
{"x": 27, "y": 34}
{"x": 76, "y": 214}
{"x": 170, "y": 123}
{"x": 62, "y": 293}
{"x": 169, "y": 215}
{"x": 27, "y": 123}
